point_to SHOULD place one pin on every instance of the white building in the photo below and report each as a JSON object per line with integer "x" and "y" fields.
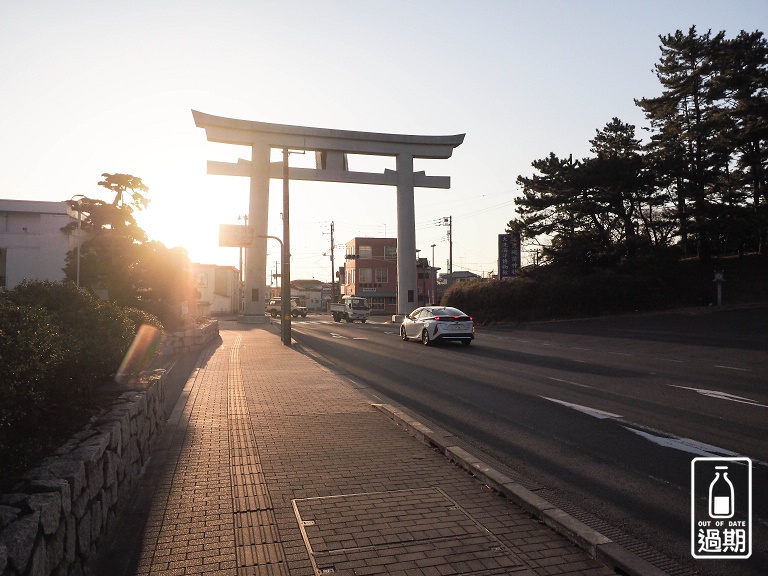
{"x": 32, "y": 244}
{"x": 220, "y": 290}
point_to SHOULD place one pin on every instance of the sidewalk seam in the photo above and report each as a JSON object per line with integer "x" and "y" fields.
{"x": 600, "y": 547}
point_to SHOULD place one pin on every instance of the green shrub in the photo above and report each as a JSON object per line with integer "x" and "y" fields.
{"x": 57, "y": 344}
{"x": 31, "y": 352}
{"x": 552, "y": 295}
{"x": 139, "y": 317}
{"x": 549, "y": 293}
{"x": 96, "y": 334}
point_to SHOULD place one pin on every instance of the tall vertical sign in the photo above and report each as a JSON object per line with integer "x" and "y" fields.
{"x": 509, "y": 255}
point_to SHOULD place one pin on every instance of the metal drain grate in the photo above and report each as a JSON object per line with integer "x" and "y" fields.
{"x": 392, "y": 532}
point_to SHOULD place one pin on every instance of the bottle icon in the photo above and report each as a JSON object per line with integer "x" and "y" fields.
{"x": 721, "y": 495}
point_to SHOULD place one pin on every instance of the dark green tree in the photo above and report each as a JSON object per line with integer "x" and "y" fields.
{"x": 596, "y": 211}
{"x": 119, "y": 263}
{"x": 689, "y": 126}
{"x": 742, "y": 90}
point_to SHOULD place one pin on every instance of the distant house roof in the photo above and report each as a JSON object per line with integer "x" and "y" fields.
{"x": 460, "y": 274}
{"x": 34, "y": 206}
{"x": 199, "y": 265}
{"x": 307, "y": 284}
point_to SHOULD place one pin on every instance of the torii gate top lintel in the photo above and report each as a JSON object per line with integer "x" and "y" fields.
{"x": 247, "y": 132}
{"x": 331, "y": 148}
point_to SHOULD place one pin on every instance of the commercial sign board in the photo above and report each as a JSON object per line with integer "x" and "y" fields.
{"x": 235, "y": 235}
{"x": 509, "y": 255}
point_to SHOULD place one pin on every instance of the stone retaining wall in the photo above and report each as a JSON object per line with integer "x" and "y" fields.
{"x": 53, "y": 521}
{"x": 189, "y": 340}
{"x": 57, "y": 513}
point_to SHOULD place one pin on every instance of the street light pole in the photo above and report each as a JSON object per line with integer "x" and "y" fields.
{"x": 79, "y": 227}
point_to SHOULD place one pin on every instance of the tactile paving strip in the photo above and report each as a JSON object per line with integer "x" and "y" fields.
{"x": 394, "y": 532}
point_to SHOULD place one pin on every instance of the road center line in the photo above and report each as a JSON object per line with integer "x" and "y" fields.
{"x": 568, "y": 382}
{"x": 732, "y": 368}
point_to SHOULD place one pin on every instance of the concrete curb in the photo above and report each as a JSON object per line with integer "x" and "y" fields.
{"x": 593, "y": 542}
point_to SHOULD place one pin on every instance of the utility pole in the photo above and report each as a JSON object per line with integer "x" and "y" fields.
{"x": 433, "y": 254}
{"x": 448, "y": 220}
{"x": 241, "y": 287}
{"x": 286, "y": 281}
{"x": 244, "y": 217}
{"x": 333, "y": 270}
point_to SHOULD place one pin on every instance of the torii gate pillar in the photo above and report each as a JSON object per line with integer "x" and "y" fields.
{"x": 331, "y": 148}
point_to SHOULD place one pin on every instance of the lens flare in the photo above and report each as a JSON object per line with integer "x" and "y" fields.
{"x": 139, "y": 355}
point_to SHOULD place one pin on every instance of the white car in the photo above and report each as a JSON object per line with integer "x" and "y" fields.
{"x": 435, "y": 323}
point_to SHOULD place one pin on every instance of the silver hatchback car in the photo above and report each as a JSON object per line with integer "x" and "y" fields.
{"x": 435, "y": 323}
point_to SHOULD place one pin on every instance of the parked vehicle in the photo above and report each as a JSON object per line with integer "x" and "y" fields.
{"x": 351, "y": 308}
{"x": 275, "y": 308}
{"x": 435, "y": 323}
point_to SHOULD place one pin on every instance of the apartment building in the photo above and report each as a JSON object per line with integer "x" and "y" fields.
{"x": 370, "y": 271}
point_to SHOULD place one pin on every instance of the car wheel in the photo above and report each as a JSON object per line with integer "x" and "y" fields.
{"x": 274, "y": 313}
{"x": 425, "y": 337}
{"x": 403, "y": 334}
{"x": 362, "y": 321}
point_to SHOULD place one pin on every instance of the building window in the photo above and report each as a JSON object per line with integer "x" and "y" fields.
{"x": 390, "y": 252}
{"x": 365, "y": 252}
{"x": 365, "y": 275}
{"x": 377, "y": 303}
{"x": 382, "y": 275}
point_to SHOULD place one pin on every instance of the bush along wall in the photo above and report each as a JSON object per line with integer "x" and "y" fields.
{"x": 57, "y": 513}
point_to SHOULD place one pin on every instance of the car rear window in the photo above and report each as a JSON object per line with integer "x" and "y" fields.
{"x": 447, "y": 312}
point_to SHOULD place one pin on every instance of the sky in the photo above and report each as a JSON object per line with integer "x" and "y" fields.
{"x": 107, "y": 86}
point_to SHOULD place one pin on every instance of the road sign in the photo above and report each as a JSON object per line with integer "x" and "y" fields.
{"x": 234, "y": 235}
{"x": 509, "y": 255}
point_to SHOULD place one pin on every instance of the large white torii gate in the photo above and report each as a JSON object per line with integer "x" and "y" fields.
{"x": 330, "y": 147}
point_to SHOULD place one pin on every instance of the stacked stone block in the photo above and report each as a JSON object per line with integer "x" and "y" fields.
{"x": 56, "y": 515}
{"x": 189, "y": 340}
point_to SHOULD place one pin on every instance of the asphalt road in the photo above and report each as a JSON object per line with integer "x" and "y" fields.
{"x": 603, "y": 417}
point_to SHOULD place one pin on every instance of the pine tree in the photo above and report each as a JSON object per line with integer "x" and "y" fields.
{"x": 686, "y": 119}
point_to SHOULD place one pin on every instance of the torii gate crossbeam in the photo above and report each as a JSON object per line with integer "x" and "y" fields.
{"x": 331, "y": 147}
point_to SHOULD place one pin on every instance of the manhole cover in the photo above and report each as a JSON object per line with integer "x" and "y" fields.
{"x": 392, "y": 532}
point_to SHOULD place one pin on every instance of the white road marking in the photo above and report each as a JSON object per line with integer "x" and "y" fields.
{"x": 684, "y": 444}
{"x": 568, "y": 382}
{"x": 594, "y": 412}
{"x": 732, "y": 368}
{"x": 334, "y": 335}
{"x": 722, "y": 395}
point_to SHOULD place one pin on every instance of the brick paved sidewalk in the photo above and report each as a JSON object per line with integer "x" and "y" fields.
{"x": 271, "y": 464}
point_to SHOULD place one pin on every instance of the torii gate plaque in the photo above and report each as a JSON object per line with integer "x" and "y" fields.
{"x": 330, "y": 147}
